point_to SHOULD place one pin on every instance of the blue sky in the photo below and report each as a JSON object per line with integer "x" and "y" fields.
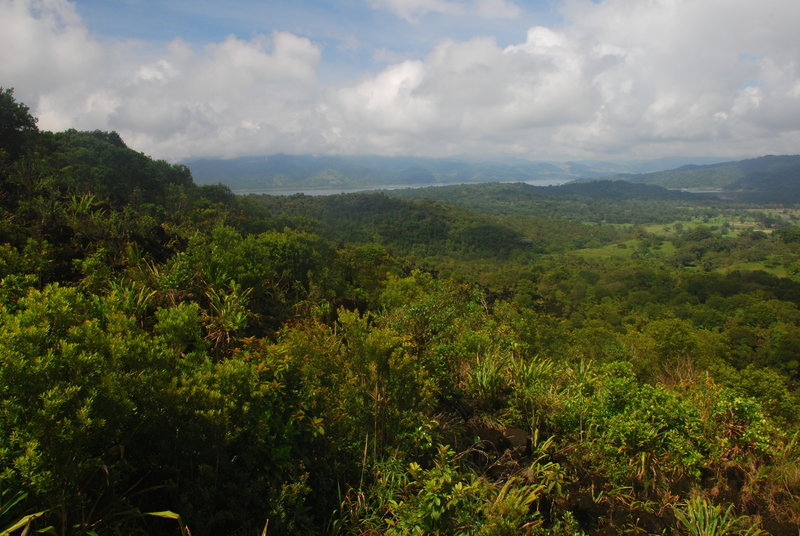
{"x": 350, "y": 30}
{"x": 201, "y": 21}
{"x": 545, "y": 79}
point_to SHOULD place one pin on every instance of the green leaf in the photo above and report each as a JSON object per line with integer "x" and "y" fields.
{"x": 22, "y": 523}
{"x": 166, "y": 513}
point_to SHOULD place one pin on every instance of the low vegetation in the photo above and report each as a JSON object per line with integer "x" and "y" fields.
{"x": 180, "y": 360}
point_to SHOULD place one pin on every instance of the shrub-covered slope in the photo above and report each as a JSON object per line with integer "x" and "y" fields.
{"x": 178, "y": 360}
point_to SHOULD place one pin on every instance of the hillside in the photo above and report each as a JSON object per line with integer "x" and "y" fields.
{"x": 428, "y": 228}
{"x": 297, "y": 172}
{"x": 767, "y": 179}
{"x": 303, "y": 171}
{"x": 595, "y": 201}
{"x": 178, "y": 360}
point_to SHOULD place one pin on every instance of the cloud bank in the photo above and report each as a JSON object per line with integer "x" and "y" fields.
{"x": 618, "y": 78}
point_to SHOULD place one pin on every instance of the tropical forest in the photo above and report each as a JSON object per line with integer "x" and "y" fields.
{"x": 601, "y": 357}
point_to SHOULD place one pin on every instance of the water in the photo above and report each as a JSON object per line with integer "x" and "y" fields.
{"x": 378, "y": 187}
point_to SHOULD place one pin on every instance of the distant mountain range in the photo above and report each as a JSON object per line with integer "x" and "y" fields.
{"x": 290, "y": 172}
{"x": 764, "y": 179}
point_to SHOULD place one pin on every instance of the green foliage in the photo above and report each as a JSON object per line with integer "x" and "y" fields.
{"x": 599, "y": 202}
{"x": 99, "y": 163}
{"x": 15, "y": 124}
{"x": 180, "y": 327}
{"x": 23, "y": 523}
{"x": 418, "y": 227}
{"x": 699, "y": 518}
{"x": 170, "y": 353}
{"x": 646, "y": 431}
{"x": 445, "y": 500}
{"x": 104, "y": 402}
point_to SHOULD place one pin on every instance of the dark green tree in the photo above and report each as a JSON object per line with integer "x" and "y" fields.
{"x": 16, "y": 122}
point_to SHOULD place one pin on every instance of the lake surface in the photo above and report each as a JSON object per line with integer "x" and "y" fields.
{"x": 378, "y": 188}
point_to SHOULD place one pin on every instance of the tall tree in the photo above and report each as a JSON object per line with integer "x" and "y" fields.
{"x": 15, "y": 123}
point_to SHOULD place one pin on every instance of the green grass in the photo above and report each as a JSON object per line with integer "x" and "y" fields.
{"x": 625, "y": 250}
{"x": 772, "y": 266}
{"x": 669, "y": 229}
{"x": 622, "y": 250}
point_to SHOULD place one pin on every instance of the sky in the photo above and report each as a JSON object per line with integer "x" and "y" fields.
{"x": 540, "y": 79}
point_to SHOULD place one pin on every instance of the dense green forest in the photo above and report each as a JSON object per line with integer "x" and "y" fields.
{"x": 180, "y": 360}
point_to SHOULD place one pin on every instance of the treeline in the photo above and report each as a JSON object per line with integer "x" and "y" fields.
{"x": 601, "y": 201}
{"x": 175, "y": 358}
{"x": 429, "y": 228}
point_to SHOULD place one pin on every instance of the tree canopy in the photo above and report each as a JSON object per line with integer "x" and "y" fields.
{"x": 175, "y": 359}
{"x": 15, "y": 122}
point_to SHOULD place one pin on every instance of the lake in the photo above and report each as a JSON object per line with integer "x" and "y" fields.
{"x": 377, "y": 188}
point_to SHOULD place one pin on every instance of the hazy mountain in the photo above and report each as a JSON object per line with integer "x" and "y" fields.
{"x": 305, "y": 171}
{"x": 768, "y": 178}
{"x": 604, "y": 168}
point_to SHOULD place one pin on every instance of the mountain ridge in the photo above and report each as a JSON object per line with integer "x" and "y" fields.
{"x": 769, "y": 178}
{"x": 282, "y": 171}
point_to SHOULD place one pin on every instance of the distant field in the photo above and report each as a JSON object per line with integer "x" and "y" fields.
{"x": 625, "y": 250}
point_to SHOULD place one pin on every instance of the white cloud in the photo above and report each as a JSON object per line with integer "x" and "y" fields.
{"x": 472, "y": 94}
{"x": 39, "y": 53}
{"x": 413, "y": 10}
{"x": 230, "y": 97}
{"x": 626, "y": 77}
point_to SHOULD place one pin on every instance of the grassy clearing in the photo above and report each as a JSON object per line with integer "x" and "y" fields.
{"x": 626, "y": 250}
{"x": 622, "y": 250}
{"x": 773, "y": 265}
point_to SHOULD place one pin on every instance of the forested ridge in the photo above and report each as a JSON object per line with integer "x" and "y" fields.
{"x": 772, "y": 178}
{"x": 180, "y": 360}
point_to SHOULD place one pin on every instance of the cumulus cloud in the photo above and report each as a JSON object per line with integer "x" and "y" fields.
{"x": 42, "y": 45}
{"x": 230, "y": 97}
{"x": 634, "y": 77}
{"x": 235, "y": 96}
{"x": 472, "y": 92}
{"x": 630, "y": 78}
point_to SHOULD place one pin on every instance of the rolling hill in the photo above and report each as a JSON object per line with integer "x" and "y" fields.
{"x": 306, "y": 172}
{"x": 764, "y": 179}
